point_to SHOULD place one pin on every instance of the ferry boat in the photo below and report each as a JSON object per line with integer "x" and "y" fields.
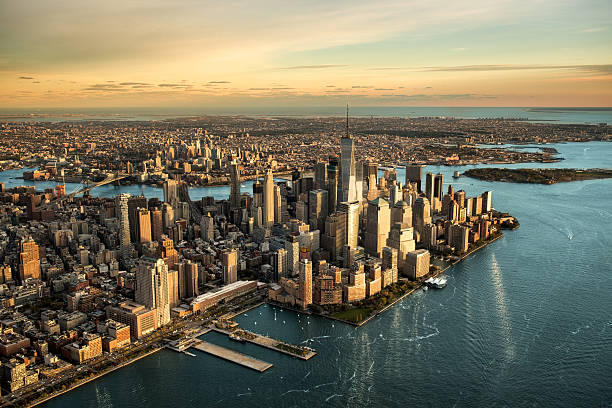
{"x": 456, "y": 174}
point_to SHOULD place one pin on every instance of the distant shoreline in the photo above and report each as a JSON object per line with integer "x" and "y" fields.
{"x": 537, "y": 176}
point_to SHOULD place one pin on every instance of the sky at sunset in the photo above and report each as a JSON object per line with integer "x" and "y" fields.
{"x": 305, "y": 53}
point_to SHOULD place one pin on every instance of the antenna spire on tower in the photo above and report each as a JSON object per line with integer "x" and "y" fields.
{"x": 347, "y": 120}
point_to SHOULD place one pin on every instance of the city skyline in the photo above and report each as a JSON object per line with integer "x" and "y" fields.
{"x": 151, "y": 54}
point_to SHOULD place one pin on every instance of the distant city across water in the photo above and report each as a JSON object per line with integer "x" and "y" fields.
{"x": 565, "y": 115}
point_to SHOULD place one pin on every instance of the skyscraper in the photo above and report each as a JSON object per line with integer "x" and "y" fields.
{"x": 157, "y": 226}
{"x": 348, "y": 190}
{"x": 173, "y": 288}
{"x": 121, "y": 201}
{"x": 414, "y": 174}
{"x": 234, "y": 185}
{"x": 332, "y": 184}
{"x": 429, "y": 187}
{"x": 438, "y": 192}
{"x": 143, "y": 224}
{"x": 191, "y": 278}
{"x": 305, "y": 283}
{"x": 421, "y": 214}
{"x": 269, "y": 199}
{"x": 402, "y": 213}
{"x": 317, "y": 209}
{"x": 351, "y": 209}
{"x": 29, "y": 260}
{"x": 229, "y": 258}
{"x": 152, "y": 287}
{"x": 134, "y": 204}
{"x": 487, "y": 201}
{"x": 207, "y": 229}
{"x": 320, "y": 175}
{"x": 378, "y": 226}
{"x": 171, "y": 193}
{"x": 278, "y": 204}
{"x": 334, "y": 238}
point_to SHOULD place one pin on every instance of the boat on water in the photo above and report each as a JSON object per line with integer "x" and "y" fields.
{"x": 456, "y": 174}
{"x": 436, "y": 283}
{"x": 236, "y": 337}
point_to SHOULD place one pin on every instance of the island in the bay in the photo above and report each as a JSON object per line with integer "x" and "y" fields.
{"x": 537, "y": 176}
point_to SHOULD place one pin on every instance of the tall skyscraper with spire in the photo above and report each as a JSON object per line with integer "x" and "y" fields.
{"x": 268, "y": 198}
{"x": 348, "y": 188}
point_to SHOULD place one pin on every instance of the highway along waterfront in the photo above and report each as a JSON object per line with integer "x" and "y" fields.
{"x": 523, "y": 322}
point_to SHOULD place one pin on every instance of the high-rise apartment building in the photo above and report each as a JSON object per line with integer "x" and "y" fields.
{"x": 152, "y": 288}
{"x": 157, "y": 224}
{"x": 121, "y": 201}
{"x": 305, "y": 284}
{"x": 229, "y": 258}
{"x": 269, "y": 198}
{"x": 143, "y": 225}
{"x": 29, "y": 260}
{"x": 417, "y": 263}
{"x": 234, "y": 185}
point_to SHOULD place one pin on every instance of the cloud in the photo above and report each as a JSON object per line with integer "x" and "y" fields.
{"x": 26, "y": 77}
{"x": 170, "y": 85}
{"x": 459, "y": 49}
{"x": 259, "y": 89}
{"x": 361, "y": 87}
{"x": 595, "y": 30}
{"x": 133, "y": 83}
{"x": 425, "y": 97}
{"x": 383, "y": 89}
{"x": 323, "y": 66}
{"x": 603, "y": 68}
{"x": 219, "y": 82}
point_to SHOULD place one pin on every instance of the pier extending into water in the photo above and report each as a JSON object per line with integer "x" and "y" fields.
{"x": 303, "y": 353}
{"x": 233, "y": 356}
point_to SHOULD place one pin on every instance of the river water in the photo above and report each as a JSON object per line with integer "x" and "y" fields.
{"x": 527, "y": 321}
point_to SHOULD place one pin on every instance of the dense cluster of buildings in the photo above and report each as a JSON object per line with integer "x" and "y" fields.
{"x": 81, "y": 277}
